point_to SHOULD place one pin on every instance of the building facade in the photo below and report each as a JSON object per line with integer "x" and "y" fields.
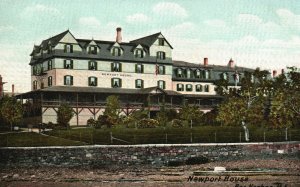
{"x": 141, "y": 72}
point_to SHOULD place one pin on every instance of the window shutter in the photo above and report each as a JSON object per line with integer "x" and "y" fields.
{"x": 71, "y": 48}
{"x": 136, "y": 68}
{"x": 142, "y": 68}
{"x": 120, "y": 67}
{"x": 65, "y": 80}
{"x": 136, "y": 81}
{"x": 142, "y": 83}
{"x": 65, "y": 48}
{"x": 89, "y": 81}
{"x": 112, "y": 82}
{"x": 164, "y": 55}
{"x": 120, "y": 83}
{"x": 71, "y": 80}
{"x": 112, "y": 66}
{"x": 157, "y": 83}
{"x": 65, "y": 63}
{"x": 177, "y": 87}
{"x": 96, "y": 81}
{"x": 96, "y": 65}
{"x": 164, "y": 85}
{"x": 71, "y": 64}
{"x": 164, "y": 70}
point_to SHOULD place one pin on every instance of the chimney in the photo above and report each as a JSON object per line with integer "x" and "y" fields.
{"x": 282, "y": 71}
{"x": 231, "y": 63}
{"x": 1, "y": 87}
{"x": 205, "y": 61}
{"x": 12, "y": 89}
{"x": 274, "y": 73}
{"x": 119, "y": 36}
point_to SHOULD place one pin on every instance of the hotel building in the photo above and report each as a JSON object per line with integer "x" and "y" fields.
{"x": 142, "y": 73}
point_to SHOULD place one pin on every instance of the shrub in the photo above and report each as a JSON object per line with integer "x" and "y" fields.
{"x": 91, "y": 122}
{"x": 177, "y": 123}
{"x": 174, "y": 163}
{"x": 197, "y": 160}
{"x": 147, "y": 123}
{"x": 106, "y": 120}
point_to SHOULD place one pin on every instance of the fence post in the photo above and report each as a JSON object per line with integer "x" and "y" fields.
{"x": 166, "y": 138}
{"x": 264, "y": 136}
{"x": 215, "y": 137}
{"x": 286, "y": 134}
{"x": 111, "y": 138}
{"x": 240, "y": 136}
{"x": 191, "y": 137}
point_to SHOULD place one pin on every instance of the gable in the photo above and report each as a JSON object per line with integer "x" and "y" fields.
{"x": 68, "y": 38}
{"x": 92, "y": 43}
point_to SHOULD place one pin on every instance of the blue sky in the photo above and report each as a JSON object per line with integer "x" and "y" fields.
{"x": 254, "y": 33}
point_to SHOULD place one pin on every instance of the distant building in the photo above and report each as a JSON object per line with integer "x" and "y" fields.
{"x": 141, "y": 72}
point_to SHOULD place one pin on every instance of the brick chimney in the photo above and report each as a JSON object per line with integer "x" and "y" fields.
{"x": 12, "y": 89}
{"x": 231, "y": 63}
{"x": 282, "y": 71}
{"x": 119, "y": 35}
{"x": 274, "y": 73}
{"x": 205, "y": 63}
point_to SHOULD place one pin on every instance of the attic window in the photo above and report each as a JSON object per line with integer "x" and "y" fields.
{"x": 92, "y": 50}
{"x": 116, "y": 51}
{"x": 139, "y": 53}
{"x": 161, "y": 42}
{"x": 68, "y": 48}
{"x": 161, "y": 55}
{"x": 179, "y": 72}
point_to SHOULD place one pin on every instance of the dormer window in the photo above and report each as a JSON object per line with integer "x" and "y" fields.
{"x": 68, "y": 48}
{"x": 188, "y": 73}
{"x": 206, "y": 74}
{"x": 198, "y": 74}
{"x": 161, "y": 55}
{"x": 139, "y": 53}
{"x": 92, "y": 65}
{"x": 92, "y": 50}
{"x": 68, "y": 64}
{"x": 116, "y": 67}
{"x": 92, "y": 81}
{"x": 189, "y": 87}
{"x": 224, "y": 76}
{"x": 116, "y": 51}
{"x": 34, "y": 85}
{"x": 180, "y": 87}
{"x": 161, "y": 42}
{"x": 179, "y": 72}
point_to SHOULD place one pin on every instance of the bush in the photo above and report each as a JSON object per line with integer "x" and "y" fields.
{"x": 177, "y": 123}
{"x": 91, "y": 122}
{"x": 106, "y": 120}
{"x": 174, "y": 163}
{"x": 147, "y": 123}
{"x": 197, "y": 160}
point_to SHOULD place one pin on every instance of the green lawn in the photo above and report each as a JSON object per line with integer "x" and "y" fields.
{"x": 203, "y": 134}
{"x": 25, "y": 139}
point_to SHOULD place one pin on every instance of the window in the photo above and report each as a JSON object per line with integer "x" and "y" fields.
{"x": 92, "y": 65}
{"x": 34, "y": 85}
{"x": 139, "y": 83}
{"x": 188, "y": 73}
{"x": 179, "y": 72}
{"x": 199, "y": 88}
{"x": 139, "y": 68}
{"x": 92, "y": 50}
{"x": 161, "y": 55}
{"x": 92, "y": 81}
{"x": 180, "y": 87}
{"x": 116, "y": 83}
{"x": 139, "y": 53}
{"x": 161, "y": 84}
{"x": 49, "y": 81}
{"x": 189, "y": 87}
{"x": 161, "y": 70}
{"x": 68, "y": 80}
{"x": 206, "y": 88}
{"x": 116, "y": 67}
{"x": 161, "y": 42}
{"x": 224, "y": 76}
{"x": 49, "y": 64}
{"x": 68, "y": 48}
{"x": 198, "y": 74}
{"x": 68, "y": 64}
{"x": 116, "y": 51}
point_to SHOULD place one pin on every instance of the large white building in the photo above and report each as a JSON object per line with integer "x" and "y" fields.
{"x": 141, "y": 72}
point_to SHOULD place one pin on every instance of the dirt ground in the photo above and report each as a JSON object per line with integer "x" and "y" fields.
{"x": 281, "y": 173}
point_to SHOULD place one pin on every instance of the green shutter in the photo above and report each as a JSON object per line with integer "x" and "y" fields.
{"x": 65, "y": 48}
{"x": 120, "y": 83}
{"x": 96, "y": 81}
{"x": 112, "y": 66}
{"x": 136, "y": 83}
{"x": 65, "y": 80}
{"x": 164, "y": 70}
{"x": 89, "y": 81}
{"x": 71, "y": 64}
{"x": 142, "y": 83}
{"x": 142, "y": 68}
{"x": 177, "y": 87}
{"x": 96, "y": 65}
{"x": 136, "y": 68}
{"x": 120, "y": 67}
{"x": 71, "y": 48}
{"x": 164, "y": 85}
{"x": 65, "y": 63}
{"x": 71, "y": 80}
{"x": 112, "y": 82}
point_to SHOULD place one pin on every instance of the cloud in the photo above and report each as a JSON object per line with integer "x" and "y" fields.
{"x": 289, "y": 19}
{"x": 215, "y": 23}
{"x": 183, "y": 29}
{"x": 170, "y": 9}
{"x": 249, "y": 19}
{"x": 137, "y": 18}
{"x": 38, "y": 10}
{"x": 6, "y": 28}
{"x": 90, "y": 22}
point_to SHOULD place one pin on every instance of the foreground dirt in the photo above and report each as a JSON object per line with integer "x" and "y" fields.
{"x": 279, "y": 173}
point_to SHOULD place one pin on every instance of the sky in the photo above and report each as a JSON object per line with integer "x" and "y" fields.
{"x": 254, "y": 33}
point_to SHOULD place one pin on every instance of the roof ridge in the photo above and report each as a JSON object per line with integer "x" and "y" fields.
{"x": 146, "y": 36}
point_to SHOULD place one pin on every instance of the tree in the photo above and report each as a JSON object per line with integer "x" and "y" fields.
{"x": 191, "y": 114}
{"x": 111, "y": 115}
{"x": 64, "y": 115}
{"x": 11, "y": 111}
